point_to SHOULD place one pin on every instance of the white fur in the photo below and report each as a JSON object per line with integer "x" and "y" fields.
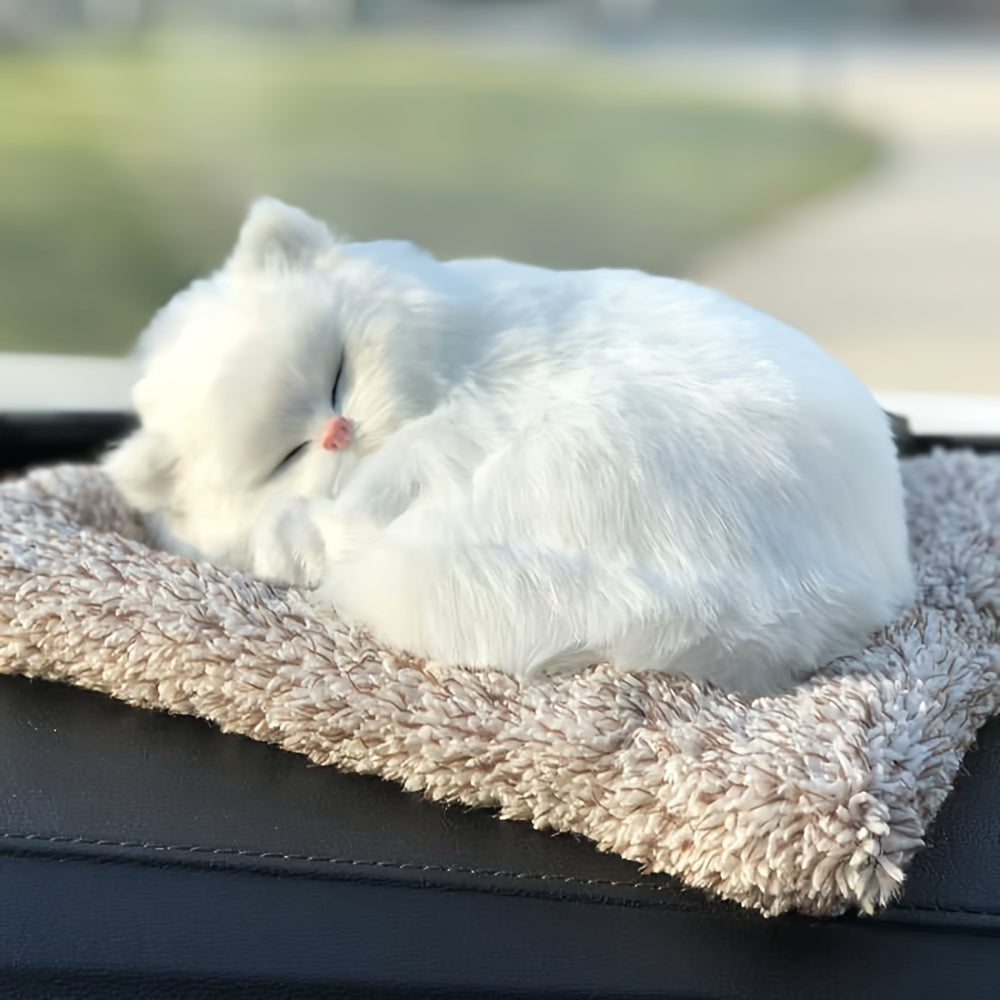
{"x": 549, "y": 468}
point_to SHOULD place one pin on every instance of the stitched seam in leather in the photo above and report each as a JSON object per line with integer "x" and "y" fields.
{"x": 936, "y": 908}
{"x": 277, "y": 856}
{"x": 397, "y": 866}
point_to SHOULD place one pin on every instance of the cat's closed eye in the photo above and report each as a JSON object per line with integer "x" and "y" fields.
{"x": 336, "y": 382}
{"x": 289, "y": 458}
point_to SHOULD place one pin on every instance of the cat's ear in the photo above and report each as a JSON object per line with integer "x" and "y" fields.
{"x": 142, "y": 468}
{"x": 278, "y": 235}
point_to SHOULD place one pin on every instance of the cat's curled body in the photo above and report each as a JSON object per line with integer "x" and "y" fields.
{"x": 493, "y": 464}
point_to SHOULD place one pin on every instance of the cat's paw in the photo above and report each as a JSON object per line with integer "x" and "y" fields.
{"x": 288, "y": 546}
{"x": 568, "y": 661}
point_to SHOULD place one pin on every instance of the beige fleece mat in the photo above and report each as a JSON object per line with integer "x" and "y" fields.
{"x": 815, "y": 800}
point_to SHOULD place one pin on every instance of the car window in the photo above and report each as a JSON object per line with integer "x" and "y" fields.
{"x": 839, "y": 170}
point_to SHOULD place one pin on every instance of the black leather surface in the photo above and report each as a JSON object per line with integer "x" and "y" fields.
{"x": 103, "y": 775}
{"x": 956, "y": 879}
{"x": 152, "y": 856}
{"x": 143, "y": 927}
{"x": 28, "y": 439}
{"x": 137, "y": 844}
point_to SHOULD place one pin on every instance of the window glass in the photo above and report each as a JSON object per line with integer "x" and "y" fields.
{"x": 837, "y": 165}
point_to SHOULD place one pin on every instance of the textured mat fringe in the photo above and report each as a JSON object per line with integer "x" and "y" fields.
{"x": 813, "y": 801}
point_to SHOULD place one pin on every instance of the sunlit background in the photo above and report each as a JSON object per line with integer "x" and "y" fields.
{"x": 836, "y": 164}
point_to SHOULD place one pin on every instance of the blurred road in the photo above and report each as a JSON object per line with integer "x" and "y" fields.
{"x": 899, "y": 275}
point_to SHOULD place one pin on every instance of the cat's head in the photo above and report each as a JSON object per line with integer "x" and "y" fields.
{"x": 244, "y": 371}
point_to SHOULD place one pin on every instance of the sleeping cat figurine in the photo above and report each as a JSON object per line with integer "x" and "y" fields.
{"x": 497, "y": 465}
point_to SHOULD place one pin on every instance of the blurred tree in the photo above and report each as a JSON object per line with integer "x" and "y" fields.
{"x": 952, "y": 10}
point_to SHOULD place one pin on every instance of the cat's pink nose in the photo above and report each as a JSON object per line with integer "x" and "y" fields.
{"x": 336, "y": 434}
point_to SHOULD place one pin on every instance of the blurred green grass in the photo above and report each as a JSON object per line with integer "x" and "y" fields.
{"x": 124, "y": 171}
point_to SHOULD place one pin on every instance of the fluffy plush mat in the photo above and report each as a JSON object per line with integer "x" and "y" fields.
{"x": 814, "y": 801}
